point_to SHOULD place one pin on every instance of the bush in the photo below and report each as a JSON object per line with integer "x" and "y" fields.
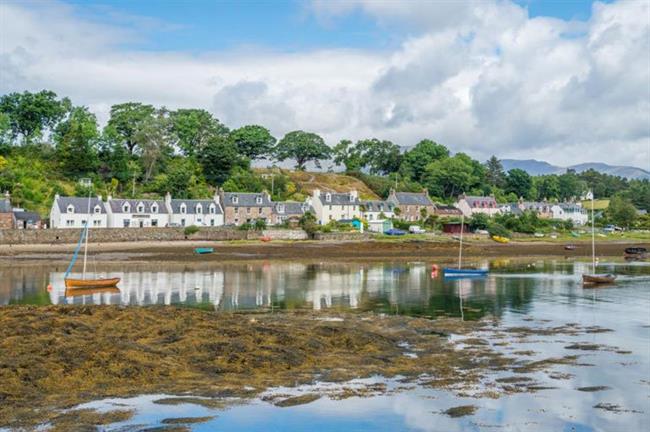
{"x": 245, "y": 227}
{"x": 189, "y": 230}
{"x": 259, "y": 225}
{"x": 496, "y": 229}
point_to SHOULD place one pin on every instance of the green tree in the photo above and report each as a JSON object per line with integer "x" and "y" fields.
{"x": 622, "y": 212}
{"x": 447, "y": 178}
{"x": 253, "y": 141}
{"x": 76, "y": 143}
{"x": 479, "y": 221}
{"x": 570, "y": 186}
{"x": 381, "y": 157}
{"x": 302, "y": 147}
{"x": 347, "y": 154}
{"x": 126, "y": 119}
{"x": 242, "y": 180}
{"x": 415, "y": 161}
{"x": 31, "y": 113}
{"x": 153, "y": 139}
{"x": 218, "y": 158}
{"x": 519, "y": 182}
{"x": 193, "y": 128}
{"x": 5, "y": 134}
{"x": 494, "y": 173}
{"x": 548, "y": 186}
{"x": 113, "y": 157}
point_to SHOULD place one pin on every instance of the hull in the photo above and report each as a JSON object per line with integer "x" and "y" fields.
{"x": 90, "y": 283}
{"x": 88, "y": 291}
{"x": 456, "y": 272}
{"x": 203, "y": 251}
{"x": 500, "y": 239}
{"x": 598, "y": 279}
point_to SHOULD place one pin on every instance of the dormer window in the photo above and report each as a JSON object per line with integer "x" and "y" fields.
{"x": 235, "y": 199}
{"x": 351, "y": 198}
{"x": 258, "y": 200}
{"x": 140, "y": 208}
{"x": 213, "y": 209}
{"x": 70, "y": 209}
{"x": 97, "y": 209}
{"x": 154, "y": 208}
{"x": 183, "y": 208}
{"x": 199, "y": 209}
{"x": 280, "y": 208}
{"x": 328, "y": 197}
{"x": 126, "y": 208}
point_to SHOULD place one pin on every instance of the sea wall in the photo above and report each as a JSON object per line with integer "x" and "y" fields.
{"x": 105, "y": 235}
{"x": 343, "y": 236}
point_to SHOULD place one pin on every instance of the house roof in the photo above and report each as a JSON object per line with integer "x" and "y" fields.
{"x": 479, "y": 201}
{"x": 338, "y": 199}
{"x": 117, "y": 205}
{"x": 572, "y": 207}
{"x": 80, "y": 204}
{"x": 191, "y": 206}
{"x": 5, "y": 206}
{"x": 447, "y": 210}
{"x": 27, "y": 216}
{"x": 246, "y": 199}
{"x": 413, "y": 198}
{"x": 377, "y": 206}
{"x": 290, "y": 208}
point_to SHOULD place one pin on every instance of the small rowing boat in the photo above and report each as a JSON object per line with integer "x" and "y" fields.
{"x": 593, "y": 278}
{"x": 89, "y": 291}
{"x": 500, "y": 239}
{"x": 598, "y": 279}
{"x": 203, "y": 250}
{"x": 91, "y": 283}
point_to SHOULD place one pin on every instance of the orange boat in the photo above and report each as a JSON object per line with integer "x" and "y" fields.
{"x": 89, "y": 291}
{"x": 91, "y": 283}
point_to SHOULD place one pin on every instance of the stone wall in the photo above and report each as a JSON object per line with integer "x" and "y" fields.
{"x": 285, "y": 234}
{"x": 341, "y": 236}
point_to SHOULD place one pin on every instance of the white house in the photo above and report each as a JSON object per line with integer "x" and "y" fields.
{"x": 73, "y": 212}
{"x": 471, "y": 205}
{"x": 330, "y": 206}
{"x": 124, "y": 213}
{"x": 186, "y": 212}
{"x": 377, "y": 210}
{"x": 569, "y": 211}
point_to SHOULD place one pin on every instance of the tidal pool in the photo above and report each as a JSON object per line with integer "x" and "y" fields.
{"x": 600, "y": 339}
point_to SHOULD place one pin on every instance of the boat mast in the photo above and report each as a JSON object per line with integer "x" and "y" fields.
{"x": 86, "y": 182}
{"x": 460, "y": 249}
{"x": 593, "y": 236}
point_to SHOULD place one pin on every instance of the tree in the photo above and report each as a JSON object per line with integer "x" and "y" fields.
{"x": 347, "y": 154}
{"x": 449, "y": 177}
{"x": 519, "y": 182}
{"x": 382, "y": 157}
{"x": 479, "y": 221}
{"x": 414, "y": 161}
{"x": 622, "y": 212}
{"x": 218, "y": 158}
{"x": 302, "y": 147}
{"x": 5, "y": 134}
{"x": 548, "y": 186}
{"x": 193, "y": 128}
{"x": 570, "y": 185}
{"x": 494, "y": 173}
{"x": 153, "y": 139}
{"x": 76, "y": 143}
{"x": 113, "y": 157}
{"x": 126, "y": 119}
{"x": 31, "y": 113}
{"x": 243, "y": 180}
{"x": 253, "y": 141}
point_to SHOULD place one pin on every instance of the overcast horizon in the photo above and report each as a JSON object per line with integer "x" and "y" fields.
{"x": 562, "y": 82}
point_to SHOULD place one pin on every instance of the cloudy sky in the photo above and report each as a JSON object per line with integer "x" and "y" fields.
{"x": 566, "y": 82}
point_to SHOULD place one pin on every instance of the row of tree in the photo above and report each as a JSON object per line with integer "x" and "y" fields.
{"x": 184, "y": 150}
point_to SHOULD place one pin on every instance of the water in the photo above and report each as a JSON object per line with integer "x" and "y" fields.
{"x": 542, "y": 293}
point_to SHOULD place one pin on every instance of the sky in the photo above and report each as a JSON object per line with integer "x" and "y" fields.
{"x": 561, "y": 81}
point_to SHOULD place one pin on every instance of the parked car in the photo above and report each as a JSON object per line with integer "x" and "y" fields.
{"x": 416, "y": 229}
{"x": 395, "y": 232}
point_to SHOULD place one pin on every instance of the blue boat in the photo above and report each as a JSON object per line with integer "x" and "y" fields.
{"x": 463, "y": 272}
{"x": 203, "y": 250}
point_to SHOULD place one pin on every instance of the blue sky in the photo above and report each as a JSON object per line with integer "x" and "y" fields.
{"x": 198, "y": 26}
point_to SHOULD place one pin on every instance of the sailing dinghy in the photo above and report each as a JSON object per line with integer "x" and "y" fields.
{"x": 592, "y": 279}
{"x": 461, "y": 272}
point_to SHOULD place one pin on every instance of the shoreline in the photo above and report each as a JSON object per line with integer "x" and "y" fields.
{"x": 183, "y": 251}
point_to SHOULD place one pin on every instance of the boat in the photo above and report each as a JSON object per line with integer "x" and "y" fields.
{"x": 500, "y": 239}
{"x": 570, "y": 247}
{"x": 203, "y": 250}
{"x": 460, "y": 272}
{"x": 265, "y": 239}
{"x": 89, "y": 291}
{"x": 593, "y": 278}
{"x": 85, "y": 283}
{"x": 636, "y": 253}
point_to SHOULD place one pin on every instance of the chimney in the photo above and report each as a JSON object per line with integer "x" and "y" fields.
{"x": 216, "y": 196}
{"x": 315, "y": 193}
{"x": 354, "y": 195}
{"x": 109, "y": 198}
{"x": 168, "y": 199}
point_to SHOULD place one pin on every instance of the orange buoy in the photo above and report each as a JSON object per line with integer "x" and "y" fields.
{"x": 49, "y": 287}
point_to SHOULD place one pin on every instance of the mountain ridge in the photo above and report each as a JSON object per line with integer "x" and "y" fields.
{"x": 537, "y": 167}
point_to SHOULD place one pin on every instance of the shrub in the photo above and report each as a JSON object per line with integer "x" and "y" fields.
{"x": 245, "y": 227}
{"x": 496, "y": 229}
{"x": 189, "y": 230}
{"x": 259, "y": 225}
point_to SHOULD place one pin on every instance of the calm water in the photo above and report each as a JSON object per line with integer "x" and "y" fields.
{"x": 519, "y": 293}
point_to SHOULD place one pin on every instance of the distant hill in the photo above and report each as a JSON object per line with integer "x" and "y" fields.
{"x": 535, "y": 167}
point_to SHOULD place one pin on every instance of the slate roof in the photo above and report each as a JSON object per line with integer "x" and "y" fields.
{"x": 481, "y": 202}
{"x": 191, "y": 206}
{"x": 80, "y": 204}
{"x": 447, "y": 210}
{"x": 246, "y": 199}
{"x": 5, "y": 206}
{"x": 27, "y": 216}
{"x": 377, "y": 206}
{"x": 513, "y": 208}
{"x": 567, "y": 207}
{"x": 290, "y": 208}
{"x": 117, "y": 205}
{"x": 338, "y": 199}
{"x": 413, "y": 198}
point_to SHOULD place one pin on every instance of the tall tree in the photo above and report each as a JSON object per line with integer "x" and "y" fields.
{"x": 415, "y": 161}
{"x": 218, "y": 158}
{"x": 153, "y": 140}
{"x": 5, "y": 133}
{"x": 113, "y": 157}
{"x": 519, "y": 182}
{"x": 31, "y": 113}
{"x": 302, "y": 147}
{"x": 381, "y": 157}
{"x": 347, "y": 154}
{"x": 448, "y": 177}
{"x": 253, "y": 141}
{"x": 494, "y": 173}
{"x": 127, "y": 118}
{"x": 622, "y": 212}
{"x": 570, "y": 185}
{"x": 76, "y": 143}
{"x": 193, "y": 128}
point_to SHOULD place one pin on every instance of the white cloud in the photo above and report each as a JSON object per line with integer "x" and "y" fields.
{"x": 480, "y": 77}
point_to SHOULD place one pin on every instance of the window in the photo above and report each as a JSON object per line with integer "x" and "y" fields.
{"x": 154, "y": 209}
{"x": 182, "y": 222}
{"x": 236, "y": 209}
{"x": 258, "y": 200}
{"x": 83, "y": 222}
{"x": 69, "y": 223}
{"x": 183, "y": 209}
{"x": 248, "y": 210}
{"x": 211, "y": 222}
{"x": 141, "y": 223}
{"x": 199, "y": 209}
{"x": 97, "y": 223}
{"x": 235, "y": 199}
{"x": 213, "y": 209}
{"x": 280, "y": 208}
{"x": 140, "y": 208}
{"x": 97, "y": 209}
{"x": 70, "y": 209}
{"x": 328, "y": 197}
{"x": 154, "y": 222}
{"x": 126, "y": 208}
{"x": 126, "y": 223}
{"x": 330, "y": 208}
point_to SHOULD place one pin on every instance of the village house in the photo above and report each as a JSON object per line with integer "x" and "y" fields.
{"x": 412, "y": 206}
{"x": 134, "y": 213}
{"x": 447, "y": 211}
{"x": 288, "y": 211}
{"x": 376, "y": 210}
{"x": 73, "y": 212}
{"x": 7, "y": 217}
{"x": 187, "y": 212}
{"x": 471, "y": 205}
{"x": 542, "y": 208}
{"x": 331, "y": 206}
{"x": 245, "y": 207}
{"x": 27, "y": 219}
{"x": 570, "y": 211}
